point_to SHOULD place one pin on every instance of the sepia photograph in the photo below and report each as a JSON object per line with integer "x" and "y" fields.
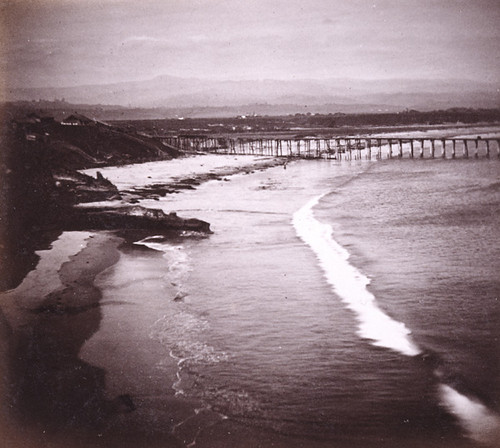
{"x": 249, "y": 224}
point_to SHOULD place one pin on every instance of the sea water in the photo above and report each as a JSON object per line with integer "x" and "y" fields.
{"x": 335, "y": 304}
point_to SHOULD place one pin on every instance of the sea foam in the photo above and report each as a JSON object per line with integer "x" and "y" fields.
{"x": 351, "y": 285}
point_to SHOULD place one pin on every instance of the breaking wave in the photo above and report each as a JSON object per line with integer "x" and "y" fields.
{"x": 479, "y": 423}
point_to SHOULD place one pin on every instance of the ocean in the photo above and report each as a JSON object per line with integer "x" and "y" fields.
{"x": 337, "y": 304}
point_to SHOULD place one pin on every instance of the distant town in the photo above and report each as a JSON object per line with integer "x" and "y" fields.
{"x": 38, "y": 115}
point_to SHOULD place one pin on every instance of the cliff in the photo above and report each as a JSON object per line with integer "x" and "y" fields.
{"x": 40, "y": 185}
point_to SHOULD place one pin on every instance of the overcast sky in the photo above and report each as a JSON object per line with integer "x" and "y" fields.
{"x": 74, "y": 42}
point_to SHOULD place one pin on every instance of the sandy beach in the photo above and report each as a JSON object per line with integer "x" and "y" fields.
{"x": 53, "y": 396}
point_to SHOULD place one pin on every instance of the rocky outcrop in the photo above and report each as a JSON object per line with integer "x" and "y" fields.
{"x": 40, "y": 185}
{"x": 83, "y": 188}
{"x": 133, "y": 218}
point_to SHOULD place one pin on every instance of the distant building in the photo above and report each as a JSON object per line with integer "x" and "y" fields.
{"x": 33, "y": 127}
{"x": 34, "y": 117}
{"x": 47, "y": 120}
{"x": 77, "y": 120}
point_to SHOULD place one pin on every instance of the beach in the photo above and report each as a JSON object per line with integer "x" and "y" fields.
{"x": 247, "y": 336}
{"x": 54, "y": 396}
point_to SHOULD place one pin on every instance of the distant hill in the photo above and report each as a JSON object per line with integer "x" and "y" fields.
{"x": 59, "y": 109}
{"x": 273, "y": 116}
{"x": 280, "y": 96}
{"x": 85, "y": 143}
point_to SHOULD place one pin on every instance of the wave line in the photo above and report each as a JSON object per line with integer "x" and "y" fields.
{"x": 350, "y": 284}
{"x": 480, "y": 423}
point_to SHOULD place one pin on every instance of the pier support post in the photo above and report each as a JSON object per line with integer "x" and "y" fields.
{"x": 357, "y": 143}
{"x": 328, "y": 148}
{"x": 352, "y": 148}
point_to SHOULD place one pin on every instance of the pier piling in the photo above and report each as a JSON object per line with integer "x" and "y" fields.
{"x": 349, "y": 148}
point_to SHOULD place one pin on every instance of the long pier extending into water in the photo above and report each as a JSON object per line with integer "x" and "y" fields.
{"x": 339, "y": 148}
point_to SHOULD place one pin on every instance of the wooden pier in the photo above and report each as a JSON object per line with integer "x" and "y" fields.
{"x": 347, "y": 148}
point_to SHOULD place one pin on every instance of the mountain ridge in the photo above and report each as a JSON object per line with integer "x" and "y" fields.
{"x": 171, "y": 91}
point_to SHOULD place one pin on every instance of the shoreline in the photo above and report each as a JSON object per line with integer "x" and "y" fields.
{"x": 202, "y": 169}
{"x": 112, "y": 409}
{"x": 54, "y": 397}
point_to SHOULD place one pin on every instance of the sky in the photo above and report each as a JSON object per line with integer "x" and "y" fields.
{"x": 79, "y": 42}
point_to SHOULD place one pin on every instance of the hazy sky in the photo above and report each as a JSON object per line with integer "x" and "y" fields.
{"x": 73, "y": 42}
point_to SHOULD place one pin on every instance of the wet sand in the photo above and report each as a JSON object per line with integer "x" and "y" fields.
{"x": 53, "y": 397}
